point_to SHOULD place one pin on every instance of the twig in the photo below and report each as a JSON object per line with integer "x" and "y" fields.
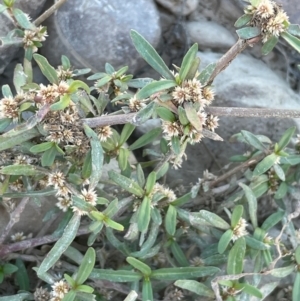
{"x": 218, "y": 111}
{"x": 14, "y": 218}
{"x": 253, "y": 112}
{"x": 34, "y": 242}
{"x": 49, "y": 12}
{"x": 230, "y": 55}
{"x": 233, "y": 171}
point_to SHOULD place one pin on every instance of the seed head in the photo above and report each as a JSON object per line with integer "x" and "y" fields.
{"x": 104, "y": 133}
{"x": 240, "y": 229}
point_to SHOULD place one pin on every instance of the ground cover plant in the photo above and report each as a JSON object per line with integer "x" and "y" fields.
{"x": 140, "y": 240}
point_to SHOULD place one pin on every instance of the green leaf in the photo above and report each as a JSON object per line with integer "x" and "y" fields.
{"x": 195, "y": 287}
{"x": 4, "y": 123}
{"x": 38, "y": 148}
{"x": 48, "y": 71}
{"x": 144, "y": 214}
{"x": 20, "y": 170}
{"x": 249, "y": 289}
{"x": 179, "y": 254}
{"x": 171, "y": 274}
{"x": 87, "y": 165}
{"x": 70, "y": 296}
{"x": 22, "y": 276}
{"x": 48, "y": 156}
{"x": 165, "y": 114}
{"x": 296, "y": 288}
{"x": 86, "y": 266}
{"x": 23, "y": 19}
{"x": 97, "y": 156}
{"x": 252, "y": 202}
{"x": 236, "y": 215}
{"x": 182, "y": 200}
{"x": 150, "y": 55}
{"x": 297, "y": 254}
{"x": 9, "y": 268}
{"x": 269, "y": 45}
{"x": 293, "y": 41}
{"x": 2, "y": 8}
{"x": 65, "y": 62}
{"x": 170, "y": 220}
{"x": 126, "y": 183}
{"x": 6, "y": 91}
{"x": 85, "y": 289}
{"x": 243, "y": 20}
{"x": 176, "y": 145}
{"x": 114, "y": 225}
{"x": 19, "y": 78}
{"x": 154, "y": 87}
{"x": 182, "y": 116}
{"x": 272, "y": 220}
{"x": 187, "y": 62}
{"x": 140, "y": 175}
{"x": 282, "y": 272}
{"x": 248, "y": 32}
{"x": 144, "y": 114}
{"x": 286, "y": 138}
{"x": 194, "y": 68}
{"x": 115, "y": 276}
{"x": 279, "y": 172}
{"x": 213, "y": 219}
{"x": 265, "y": 164}
{"x": 192, "y": 116}
{"x": 162, "y": 170}
{"x": 76, "y": 84}
{"x": 123, "y": 158}
{"x": 61, "y": 245}
{"x": 145, "y": 139}
{"x": 63, "y": 102}
{"x": 236, "y": 257}
{"x": 253, "y": 140}
{"x": 19, "y": 297}
{"x": 137, "y": 264}
{"x": 126, "y": 133}
{"x": 294, "y": 29}
{"x": 255, "y": 244}
{"x": 206, "y": 73}
{"x": 147, "y": 292}
{"x": 224, "y": 241}
{"x": 151, "y": 180}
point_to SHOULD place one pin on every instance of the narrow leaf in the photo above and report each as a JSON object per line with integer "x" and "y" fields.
{"x": 195, "y": 287}
{"x": 48, "y": 71}
{"x": 145, "y": 139}
{"x": 248, "y": 32}
{"x": 20, "y": 170}
{"x": 150, "y": 55}
{"x": 224, "y": 241}
{"x": 253, "y": 140}
{"x": 170, "y": 220}
{"x": 144, "y": 214}
{"x": 265, "y": 164}
{"x": 187, "y": 62}
{"x": 154, "y": 87}
{"x": 286, "y": 138}
{"x": 236, "y": 257}
{"x": 292, "y": 40}
{"x": 137, "y": 264}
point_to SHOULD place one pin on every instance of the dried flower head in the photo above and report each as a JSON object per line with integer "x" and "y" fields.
{"x": 60, "y": 288}
{"x": 208, "y": 94}
{"x": 104, "y": 132}
{"x": 48, "y": 93}
{"x": 171, "y": 129}
{"x": 90, "y": 196}
{"x": 19, "y": 236}
{"x": 136, "y": 105}
{"x": 167, "y": 192}
{"x": 196, "y": 262}
{"x": 212, "y": 122}
{"x": 9, "y": 108}
{"x": 265, "y": 9}
{"x": 62, "y": 88}
{"x": 240, "y": 229}
{"x": 79, "y": 211}
{"x": 180, "y": 94}
{"x": 56, "y": 179}
{"x": 41, "y": 294}
{"x": 64, "y": 203}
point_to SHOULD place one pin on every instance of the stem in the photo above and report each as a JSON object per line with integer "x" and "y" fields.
{"x": 233, "y": 171}
{"x": 218, "y": 111}
{"x": 14, "y": 218}
{"x": 230, "y": 55}
{"x": 34, "y": 242}
{"x": 49, "y": 12}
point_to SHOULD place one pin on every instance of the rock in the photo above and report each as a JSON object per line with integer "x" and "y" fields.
{"x": 181, "y": 8}
{"x": 292, "y": 8}
{"x": 31, "y": 7}
{"x": 95, "y": 32}
{"x": 209, "y": 34}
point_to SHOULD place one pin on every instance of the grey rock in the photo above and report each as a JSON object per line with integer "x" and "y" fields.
{"x": 177, "y": 7}
{"x": 93, "y": 32}
{"x": 209, "y": 34}
{"x": 31, "y": 7}
{"x": 292, "y": 8}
